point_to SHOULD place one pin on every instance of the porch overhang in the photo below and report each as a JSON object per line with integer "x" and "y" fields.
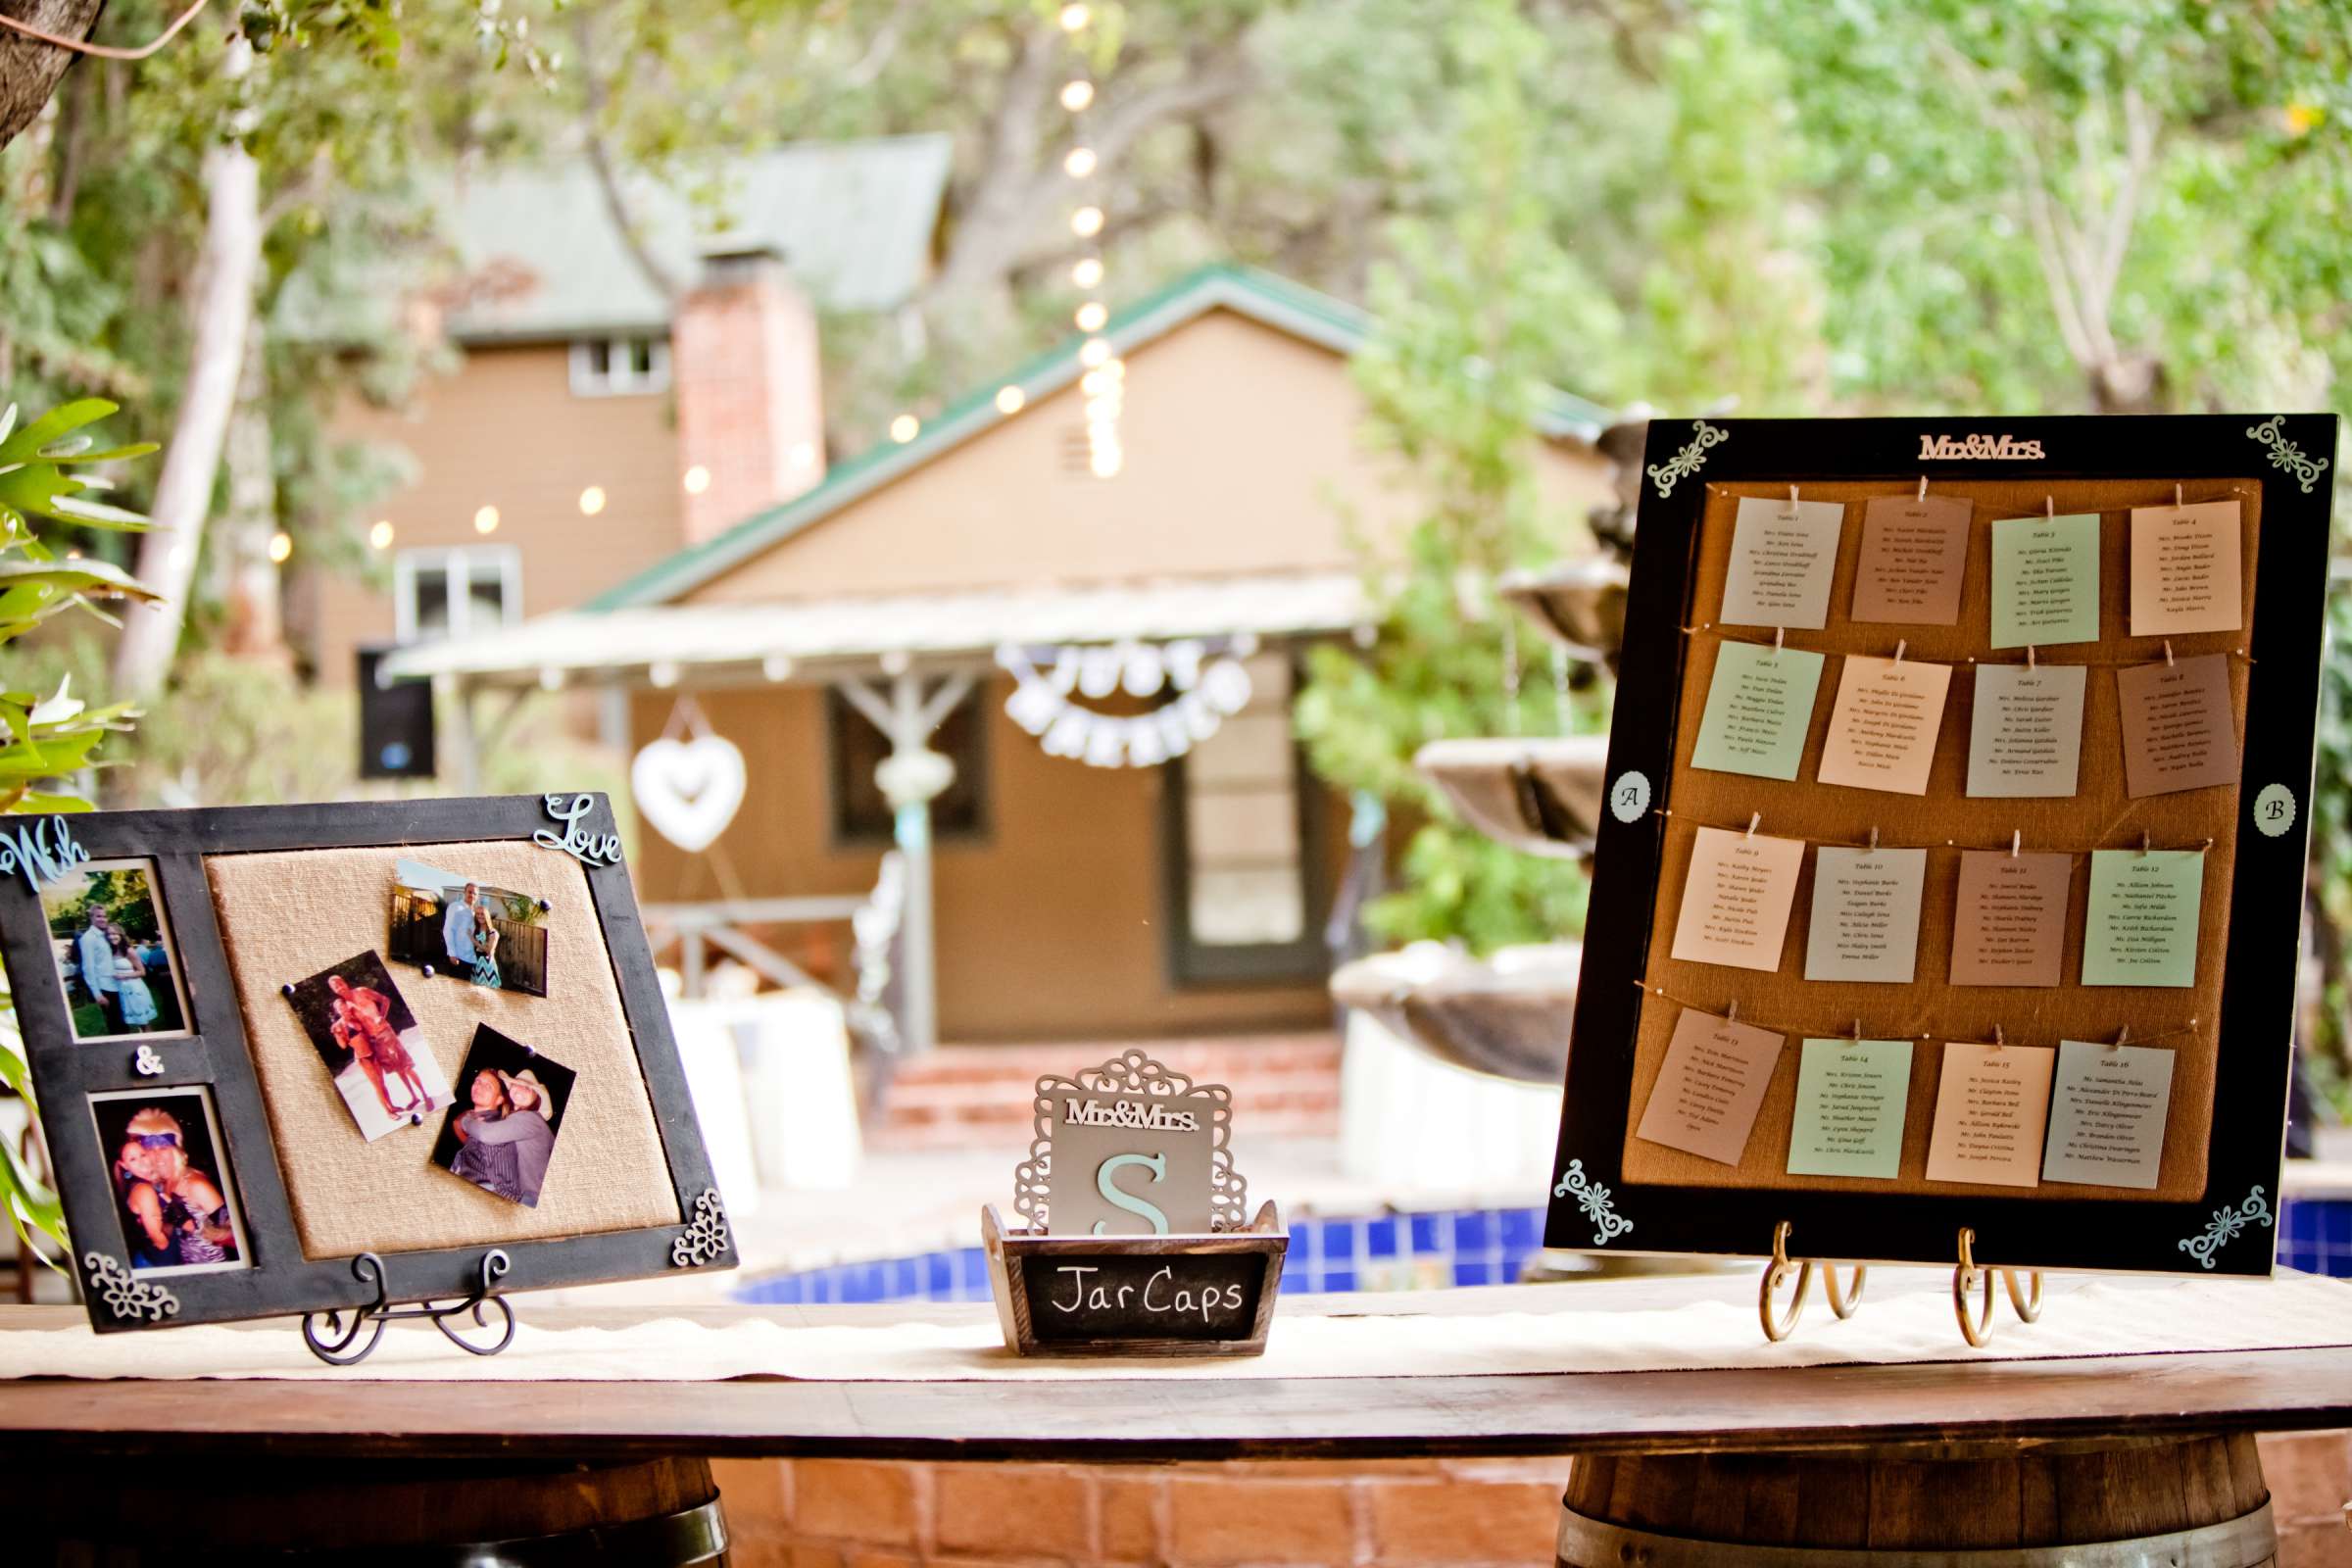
{"x": 724, "y": 644}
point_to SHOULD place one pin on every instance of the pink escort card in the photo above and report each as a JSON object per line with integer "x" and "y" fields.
{"x": 1914, "y": 557}
{"x": 1709, "y": 1086}
{"x": 1990, "y": 1105}
{"x": 1736, "y": 901}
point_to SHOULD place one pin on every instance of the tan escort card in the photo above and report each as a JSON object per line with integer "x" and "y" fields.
{"x": 1782, "y": 560}
{"x": 2025, "y": 733}
{"x": 2107, "y": 1114}
{"x": 1991, "y": 1107}
{"x": 1709, "y": 1086}
{"x": 2184, "y": 570}
{"x": 2009, "y": 919}
{"x": 1736, "y": 901}
{"x": 2179, "y": 732}
{"x": 1865, "y": 923}
{"x": 1914, "y": 555}
{"x": 1883, "y": 728}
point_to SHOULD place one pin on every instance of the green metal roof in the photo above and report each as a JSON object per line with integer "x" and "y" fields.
{"x": 1261, "y": 295}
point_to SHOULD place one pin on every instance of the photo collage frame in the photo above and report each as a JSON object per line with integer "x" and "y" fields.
{"x": 286, "y": 1055}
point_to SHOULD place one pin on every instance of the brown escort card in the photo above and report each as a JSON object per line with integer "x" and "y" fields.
{"x": 1710, "y": 1086}
{"x": 1914, "y": 555}
{"x": 2009, "y": 919}
{"x": 2178, "y": 729}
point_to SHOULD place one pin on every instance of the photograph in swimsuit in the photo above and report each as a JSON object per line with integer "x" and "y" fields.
{"x": 467, "y": 929}
{"x": 374, "y": 1049}
{"x": 173, "y": 1198}
{"x": 501, "y": 1134}
{"x": 114, "y": 951}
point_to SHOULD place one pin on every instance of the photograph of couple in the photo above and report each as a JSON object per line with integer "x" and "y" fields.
{"x": 503, "y": 1134}
{"x": 374, "y": 1052}
{"x": 114, "y": 951}
{"x": 172, "y": 1190}
{"x": 469, "y": 930}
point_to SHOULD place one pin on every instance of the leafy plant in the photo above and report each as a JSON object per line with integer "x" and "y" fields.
{"x": 45, "y": 473}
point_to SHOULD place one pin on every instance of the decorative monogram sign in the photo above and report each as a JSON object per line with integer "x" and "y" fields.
{"x": 587, "y": 849}
{"x": 40, "y": 852}
{"x": 1131, "y": 1148}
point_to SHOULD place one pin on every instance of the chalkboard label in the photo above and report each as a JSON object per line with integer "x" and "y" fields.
{"x": 1148, "y": 1295}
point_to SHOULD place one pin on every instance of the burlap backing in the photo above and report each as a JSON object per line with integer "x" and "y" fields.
{"x": 2099, "y": 813}
{"x": 288, "y": 914}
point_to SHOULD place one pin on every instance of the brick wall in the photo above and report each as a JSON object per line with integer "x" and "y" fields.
{"x": 959, "y": 1096}
{"x": 812, "y": 1513}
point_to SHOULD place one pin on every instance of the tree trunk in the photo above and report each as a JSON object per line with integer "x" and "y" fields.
{"x": 223, "y": 305}
{"x": 30, "y": 69}
{"x": 255, "y": 627}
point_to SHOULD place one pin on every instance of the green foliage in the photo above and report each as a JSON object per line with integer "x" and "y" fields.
{"x": 1475, "y": 319}
{"x": 52, "y": 738}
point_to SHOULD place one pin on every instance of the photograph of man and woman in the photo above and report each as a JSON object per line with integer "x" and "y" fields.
{"x": 172, "y": 1188}
{"x": 502, "y": 1133}
{"x": 469, "y": 930}
{"x": 114, "y": 951}
{"x": 361, "y": 1028}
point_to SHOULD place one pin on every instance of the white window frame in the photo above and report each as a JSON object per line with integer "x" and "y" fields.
{"x": 463, "y": 564}
{"x": 620, "y": 377}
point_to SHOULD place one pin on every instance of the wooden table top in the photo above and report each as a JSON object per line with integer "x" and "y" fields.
{"x": 1146, "y": 1420}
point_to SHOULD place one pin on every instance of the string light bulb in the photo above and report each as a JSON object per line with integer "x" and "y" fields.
{"x": 698, "y": 479}
{"x": 1096, "y": 351}
{"x": 1077, "y": 94}
{"x": 1087, "y": 222}
{"x": 281, "y": 545}
{"x": 380, "y": 536}
{"x": 1009, "y": 399}
{"x": 1092, "y": 316}
{"x": 904, "y": 429}
{"x": 485, "y": 520}
{"x": 1074, "y": 18}
{"x": 1078, "y": 162}
{"x": 1087, "y": 271}
{"x": 592, "y": 501}
{"x": 803, "y": 453}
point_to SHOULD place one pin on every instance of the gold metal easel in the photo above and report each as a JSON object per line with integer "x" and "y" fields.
{"x": 1844, "y": 1303}
{"x": 1977, "y": 1327}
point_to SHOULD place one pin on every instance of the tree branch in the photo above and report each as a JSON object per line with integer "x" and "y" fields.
{"x": 30, "y": 69}
{"x": 608, "y": 178}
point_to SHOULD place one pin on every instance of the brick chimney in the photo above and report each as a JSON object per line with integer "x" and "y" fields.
{"x": 751, "y": 407}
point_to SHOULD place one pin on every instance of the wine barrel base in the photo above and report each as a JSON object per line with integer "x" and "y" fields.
{"x": 148, "y": 1513}
{"x": 2126, "y": 1502}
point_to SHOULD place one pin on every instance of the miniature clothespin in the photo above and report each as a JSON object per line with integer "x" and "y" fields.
{"x": 2028, "y": 656}
{"x": 1754, "y": 820}
{"x": 2000, "y": 1041}
{"x": 2144, "y": 841}
{"x": 1780, "y": 637}
{"x": 1923, "y": 487}
{"x": 1792, "y": 498}
{"x": 2049, "y": 506}
{"x": 2178, "y": 503}
{"x": 1730, "y": 1010}
{"x": 1857, "y": 1035}
{"x": 2016, "y": 841}
{"x": 1900, "y": 646}
{"x": 2123, "y": 1037}
{"x": 1874, "y": 839}
{"x": 2168, "y": 650}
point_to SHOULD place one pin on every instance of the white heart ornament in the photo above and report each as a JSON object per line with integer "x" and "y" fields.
{"x": 688, "y": 790}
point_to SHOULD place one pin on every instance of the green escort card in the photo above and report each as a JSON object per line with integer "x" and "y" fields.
{"x": 2045, "y": 580}
{"x": 2142, "y": 926}
{"x": 1759, "y": 706}
{"x": 1852, "y": 1096}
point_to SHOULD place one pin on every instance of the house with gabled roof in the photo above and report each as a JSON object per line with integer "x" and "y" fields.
{"x": 1063, "y": 698}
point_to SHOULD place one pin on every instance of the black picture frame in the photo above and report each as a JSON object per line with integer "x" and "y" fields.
{"x": 215, "y": 1053}
{"x": 2231, "y": 1228}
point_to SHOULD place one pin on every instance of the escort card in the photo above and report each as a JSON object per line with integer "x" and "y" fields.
{"x": 2009, "y": 919}
{"x": 1850, "y": 1098}
{"x": 2141, "y": 928}
{"x": 2107, "y": 1114}
{"x": 1782, "y": 560}
{"x": 1714, "y": 1077}
{"x": 2024, "y": 734}
{"x": 1759, "y": 708}
{"x": 1735, "y": 902}
{"x": 2184, "y": 570}
{"x": 2179, "y": 733}
{"x": 2045, "y": 580}
{"x": 1991, "y": 1102}
{"x": 1883, "y": 728}
{"x": 1914, "y": 557}
{"x": 1865, "y": 923}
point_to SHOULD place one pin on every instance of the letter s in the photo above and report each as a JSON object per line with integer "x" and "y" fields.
{"x": 1156, "y": 1164}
